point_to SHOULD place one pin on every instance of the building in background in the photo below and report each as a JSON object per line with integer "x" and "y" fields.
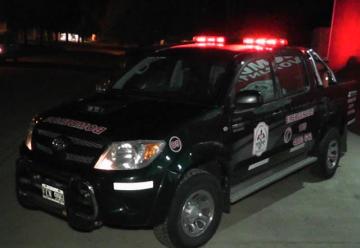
{"x": 320, "y": 40}
{"x": 344, "y": 42}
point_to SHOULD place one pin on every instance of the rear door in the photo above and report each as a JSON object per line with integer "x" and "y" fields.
{"x": 301, "y": 121}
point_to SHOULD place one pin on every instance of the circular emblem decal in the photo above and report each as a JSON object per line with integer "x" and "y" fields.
{"x": 287, "y": 135}
{"x": 175, "y": 144}
{"x": 261, "y": 137}
{"x": 59, "y": 144}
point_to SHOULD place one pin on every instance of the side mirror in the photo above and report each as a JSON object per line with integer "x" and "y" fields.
{"x": 248, "y": 99}
{"x": 103, "y": 87}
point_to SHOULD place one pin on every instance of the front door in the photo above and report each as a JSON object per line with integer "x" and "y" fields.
{"x": 255, "y": 135}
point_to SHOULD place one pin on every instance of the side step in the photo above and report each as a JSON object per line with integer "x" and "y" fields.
{"x": 250, "y": 186}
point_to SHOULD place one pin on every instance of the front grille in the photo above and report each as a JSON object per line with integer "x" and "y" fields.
{"x": 80, "y": 150}
{"x": 79, "y": 158}
{"x": 44, "y": 148}
{"x": 86, "y": 143}
{"x": 74, "y": 140}
{"x": 47, "y": 133}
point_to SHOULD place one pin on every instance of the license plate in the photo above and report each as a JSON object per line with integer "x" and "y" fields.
{"x": 53, "y": 194}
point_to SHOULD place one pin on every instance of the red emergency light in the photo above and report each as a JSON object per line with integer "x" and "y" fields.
{"x": 209, "y": 40}
{"x": 265, "y": 41}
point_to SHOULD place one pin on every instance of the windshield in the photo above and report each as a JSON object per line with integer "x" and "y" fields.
{"x": 191, "y": 78}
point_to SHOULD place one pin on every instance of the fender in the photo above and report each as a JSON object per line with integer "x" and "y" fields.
{"x": 211, "y": 157}
{"x": 208, "y": 156}
{"x": 334, "y": 117}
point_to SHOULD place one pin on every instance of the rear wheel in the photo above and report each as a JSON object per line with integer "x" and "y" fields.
{"x": 329, "y": 154}
{"x": 195, "y": 212}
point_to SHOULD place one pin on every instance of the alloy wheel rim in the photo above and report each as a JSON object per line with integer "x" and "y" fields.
{"x": 197, "y": 213}
{"x": 332, "y": 154}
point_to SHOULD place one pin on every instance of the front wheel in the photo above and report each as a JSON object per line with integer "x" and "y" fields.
{"x": 195, "y": 212}
{"x": 329, "y": 154}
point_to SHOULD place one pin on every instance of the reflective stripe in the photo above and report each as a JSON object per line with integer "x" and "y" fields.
{"x": 134, "y": 186}
{"x": 298, "y": 147}
{"x": 260, "y": 163}
{"x": 351, "y": 122}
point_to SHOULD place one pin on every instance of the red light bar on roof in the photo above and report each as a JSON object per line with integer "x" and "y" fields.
{"x": 265, "y": 41}
{"x": 209, "y": 40}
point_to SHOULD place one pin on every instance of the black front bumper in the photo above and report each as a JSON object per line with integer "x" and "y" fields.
{"x": 91, "y": 200}
{"x": 80, "y": 209}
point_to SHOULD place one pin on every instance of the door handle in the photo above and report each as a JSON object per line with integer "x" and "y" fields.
{"x": 277, "y": 112}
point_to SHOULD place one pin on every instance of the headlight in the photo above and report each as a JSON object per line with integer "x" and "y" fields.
{"x": 28, "y": 139}
{"x": 130, "y": 155}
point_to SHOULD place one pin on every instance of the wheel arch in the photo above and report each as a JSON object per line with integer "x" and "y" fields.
{"x": 211, "y": 157}
{"x": 338, "y": 121}
{"x": 206, "y": 156}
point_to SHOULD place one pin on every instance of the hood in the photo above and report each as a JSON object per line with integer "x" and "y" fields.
{"x": 122, "y": 117}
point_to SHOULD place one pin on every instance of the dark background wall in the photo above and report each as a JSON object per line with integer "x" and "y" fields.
{"x": 345, "y": 33}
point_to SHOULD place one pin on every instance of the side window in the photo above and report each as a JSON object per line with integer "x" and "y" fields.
{"x": 256, "y": 74}
{"x": 290, "y": 73}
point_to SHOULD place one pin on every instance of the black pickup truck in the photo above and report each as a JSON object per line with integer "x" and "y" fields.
{"x": 183, "y": 134}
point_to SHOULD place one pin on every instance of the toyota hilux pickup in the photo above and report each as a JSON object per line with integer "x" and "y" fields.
{"x": 185, "y": 133}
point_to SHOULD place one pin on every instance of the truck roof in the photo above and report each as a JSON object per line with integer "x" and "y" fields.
{"x": 219, "y": 44}
{"x": 228, "y": 49}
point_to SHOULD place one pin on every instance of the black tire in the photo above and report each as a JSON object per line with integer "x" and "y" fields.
{"x": 329, "y": 153}
{"x": 171, "y": 233}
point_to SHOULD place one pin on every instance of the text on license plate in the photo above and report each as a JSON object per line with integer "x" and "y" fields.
{"x": 53, "y": 194}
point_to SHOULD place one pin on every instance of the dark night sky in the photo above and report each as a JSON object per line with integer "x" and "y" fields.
{"x": 147, "y": 20}
{"x": 163, "y": 18}
{"x": 295, "y": 19}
